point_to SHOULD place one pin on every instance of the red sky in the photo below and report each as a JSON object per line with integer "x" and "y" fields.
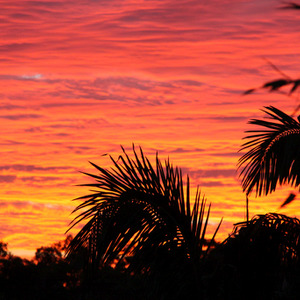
{"x": 80, "y": 78}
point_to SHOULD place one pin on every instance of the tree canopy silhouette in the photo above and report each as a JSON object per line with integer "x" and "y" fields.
{"x": 140, "y": 211}
{"x": 273, "y": 155}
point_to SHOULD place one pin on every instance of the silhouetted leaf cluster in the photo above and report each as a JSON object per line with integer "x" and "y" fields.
{"x": 260, "y": 256}
{"x": 141, "y": 211}
{"x": 44, "y": 277}
{"x": 49, "y": 275}
{"x": 273, "y": 155}
{"x": 3, "y": 250}
{"x": 276, "y": 85}
{"x": 291, "y": 5}
{"x": 260, "y": 259}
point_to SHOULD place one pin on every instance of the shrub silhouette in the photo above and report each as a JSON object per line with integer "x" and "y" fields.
{"x": 263, "y": 255}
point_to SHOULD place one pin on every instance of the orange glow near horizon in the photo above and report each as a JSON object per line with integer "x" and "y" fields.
{"x": 80, "y": 79}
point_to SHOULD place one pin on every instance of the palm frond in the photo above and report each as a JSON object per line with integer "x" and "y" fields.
{"x": 291, "y": 5}
{"x": 274, "y": 232}
{"x": 273, "y": 155}
{"x": 138, "y": 211}
{"x": 283, "y": 82}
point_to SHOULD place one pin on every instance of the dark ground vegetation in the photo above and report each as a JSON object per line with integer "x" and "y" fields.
{"x": 259, "y": 260}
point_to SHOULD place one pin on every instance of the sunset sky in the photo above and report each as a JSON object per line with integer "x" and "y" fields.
{"x": 80, "y": 78}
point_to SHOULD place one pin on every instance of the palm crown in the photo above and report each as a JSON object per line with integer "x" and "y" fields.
{"x": 140, "y": 211}
{"x": 273, "y": 155}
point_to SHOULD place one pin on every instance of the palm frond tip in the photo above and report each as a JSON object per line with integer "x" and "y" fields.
{"x": 139, "y": 210}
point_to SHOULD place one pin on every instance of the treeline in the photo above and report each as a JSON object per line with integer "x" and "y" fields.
{"x": 259, "y": 260}
{"x": 50, "y": 275}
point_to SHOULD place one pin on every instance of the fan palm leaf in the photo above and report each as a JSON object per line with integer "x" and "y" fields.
{"x": 273, "y": 156}
{"x": 140, "y": 211}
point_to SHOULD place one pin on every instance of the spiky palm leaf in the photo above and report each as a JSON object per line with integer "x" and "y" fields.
{"x": 139, "y": 211}
{"x": 273, "y": 155}
{"x": 275, "y": 232}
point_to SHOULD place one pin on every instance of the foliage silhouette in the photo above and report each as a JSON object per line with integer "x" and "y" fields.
{"x": 48, "y": 255}
{"x": 140, "y": 216}
{"x": 61, "y": 279}
{"x": 3, "y": 250}
{"x": 33, "y": 279}
{"x": 273, "y": 155}
{"x": 277, "y": 84}
{"x": 255, "y": 173}
{"x": 291, "y": 5}
{"x": 263, "y": 258}
{"x": 293, "y": 84}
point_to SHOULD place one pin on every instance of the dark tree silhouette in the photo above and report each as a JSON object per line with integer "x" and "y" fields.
{"x": 261, "y": 259}
{"x": 48, "y": 255}
{"x": 273, "y": 156}
{"x": 3, "y": 250}
{"x": 140, "y": 216}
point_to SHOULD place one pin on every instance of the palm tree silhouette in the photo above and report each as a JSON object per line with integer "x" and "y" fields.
{"x": 141, "y": 216}
{"x": 273, "y": 156}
